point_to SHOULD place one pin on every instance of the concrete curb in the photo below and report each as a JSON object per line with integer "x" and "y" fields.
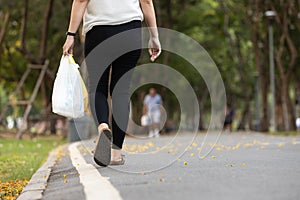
{"x": 38, "y": 182}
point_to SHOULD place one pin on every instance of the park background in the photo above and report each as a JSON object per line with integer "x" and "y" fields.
{"x": 234, "y": 32}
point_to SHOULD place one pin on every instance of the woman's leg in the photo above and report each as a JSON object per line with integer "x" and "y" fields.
{"x": 120, "y": 96}
{"x": 101, "y": 105}
{"x": 98, "y": 96}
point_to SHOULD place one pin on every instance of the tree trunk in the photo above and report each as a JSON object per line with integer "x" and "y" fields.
{"x": 264, "y": 124}
{"x": 2, "y": 36}
{"x": 245, "y": 115}
{"x": 279, "y": 109}
{"x": 158, "y": 10}
{"x": 286, "y": 64}
{"x": 287, "y": 108}
{"x": 297, "y": 98}
{"x": 4, "y": 28}
{"x": 202, "y": 100}
{"x": 259, "y": 63}
{"x": 44, "y": 35}
{"x": 23, "y": 27}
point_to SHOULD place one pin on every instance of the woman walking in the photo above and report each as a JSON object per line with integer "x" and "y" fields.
{"x": 101, "y": 20}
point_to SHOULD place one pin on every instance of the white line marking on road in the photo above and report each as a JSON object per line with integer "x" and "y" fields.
{"x": 95, "y": 186}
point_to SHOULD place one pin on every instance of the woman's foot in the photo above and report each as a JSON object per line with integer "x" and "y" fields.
{"x": 103, "y": 126}
{"x": 116, "y": 157}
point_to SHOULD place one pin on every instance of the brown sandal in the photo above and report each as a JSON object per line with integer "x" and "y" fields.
{"x": 121, "y": 161}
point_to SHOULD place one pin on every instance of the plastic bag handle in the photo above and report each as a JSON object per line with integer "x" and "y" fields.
{"x": 71, "y": 59}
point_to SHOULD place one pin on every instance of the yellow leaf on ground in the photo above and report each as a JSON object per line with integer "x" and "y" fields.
{"x": 132, "y": 148}
{"x": 248, "y": 145}
{"x": 228, "y": 148}
{"x": 218, "y": 148}
{"x": 280, "y": 145}
{"x": 150, "y": 144}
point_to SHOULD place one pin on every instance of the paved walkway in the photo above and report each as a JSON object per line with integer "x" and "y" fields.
{"x": 241, "y": 166}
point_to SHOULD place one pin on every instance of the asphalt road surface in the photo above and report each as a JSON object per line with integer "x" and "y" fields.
{"x": 240, "y": 166}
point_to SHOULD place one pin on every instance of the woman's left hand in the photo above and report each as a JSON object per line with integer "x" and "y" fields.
{"x": 154, "y": 48}
{"x": 68, "y": 46}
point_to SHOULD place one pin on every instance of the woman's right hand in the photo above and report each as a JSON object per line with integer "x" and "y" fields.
{"x": 68, "y": 46}
{"x": 154, "y": 48}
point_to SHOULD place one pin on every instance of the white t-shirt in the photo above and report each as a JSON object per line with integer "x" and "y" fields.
{"x": 111, "y": 12}
{"x": 153, "y": 103}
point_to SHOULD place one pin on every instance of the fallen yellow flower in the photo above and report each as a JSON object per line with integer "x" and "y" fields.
{"x": 228, "y": 148}
{"x": 280, "y": 145}
{"x": 248, "y": 145}
{"x": 150, "y": 144}
{"x": 218, "y": 148}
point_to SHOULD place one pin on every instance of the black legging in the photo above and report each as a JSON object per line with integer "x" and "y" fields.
{"x": 121, "y": 65}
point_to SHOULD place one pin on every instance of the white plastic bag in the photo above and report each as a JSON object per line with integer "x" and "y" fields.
{"x": 67, "y": 96}
{"x": 145, "y": 120}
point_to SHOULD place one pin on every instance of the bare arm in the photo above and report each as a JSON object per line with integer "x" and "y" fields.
{"x": 78, "y": 9}
{"x": 145, "y": 110}
{"x": 149, "y": 15}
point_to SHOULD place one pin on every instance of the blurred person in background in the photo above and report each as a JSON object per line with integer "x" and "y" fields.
{"x": 152, "y": 104}
{"x": 229, "y": 115}
{"x": 297, "y": 115}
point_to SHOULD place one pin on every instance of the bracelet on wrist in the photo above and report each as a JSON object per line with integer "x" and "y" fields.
{"x": 70, "y": 34}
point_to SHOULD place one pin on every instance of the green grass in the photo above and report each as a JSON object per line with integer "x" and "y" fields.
{"x": 19, "y": 159}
